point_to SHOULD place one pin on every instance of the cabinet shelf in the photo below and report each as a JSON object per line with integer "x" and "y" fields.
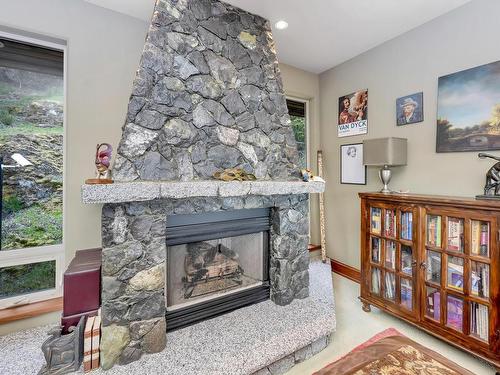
{"x": 434, "y": 262}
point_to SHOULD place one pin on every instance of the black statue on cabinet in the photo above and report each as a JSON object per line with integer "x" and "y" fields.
{"x": 492, "y": 186}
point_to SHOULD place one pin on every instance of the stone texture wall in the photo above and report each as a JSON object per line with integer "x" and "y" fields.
{"x": 207, "y": 96}
{"x": 134, "y": 256}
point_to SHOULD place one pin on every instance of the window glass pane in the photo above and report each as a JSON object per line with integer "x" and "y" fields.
{"x": 455, "y": 313}
{"x": 406, "y": 294}
{"x": 433, "y": 303}
{"x": 433, "y": 230}
{"x": 390, "y": 223}
{"x": 480, "y": 238}
{"x": 406, "y": 260}
{"x": 376, "y": 249}
{"x": 31, "y": 129}
{"x": 455, "y": 278}
{"x": 390, "y": 286}
{"x": 433, "y": 268}
{"x": 376, "y": 220}
{"x": 390, "y": 254}
{"x": 28, "y": 278}
{"x": 407, "y": 225}
{"x": 297, "y": 111}
{"x": 479, "y": 321}
{"x": 455, "y": 234}
{"x": 480, "y": 279}
{"x": 375, "y": 282}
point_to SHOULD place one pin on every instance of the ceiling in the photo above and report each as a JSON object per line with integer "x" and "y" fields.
{"x": 323, "y": 33}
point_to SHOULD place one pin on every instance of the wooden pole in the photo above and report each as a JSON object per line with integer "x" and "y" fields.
{"x": 322, "y": 209}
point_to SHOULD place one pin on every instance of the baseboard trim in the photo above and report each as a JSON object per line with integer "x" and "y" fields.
{"x": 314, "y": 247}
{"x": 346, "y": 271}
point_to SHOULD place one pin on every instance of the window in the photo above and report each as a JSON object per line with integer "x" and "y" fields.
{"x": 298, "y": 117}
{"x": 31, "y": 152}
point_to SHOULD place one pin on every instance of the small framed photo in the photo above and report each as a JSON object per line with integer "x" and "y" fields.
{"x": 410, "y": 109}
{"x": 352, "y": 170}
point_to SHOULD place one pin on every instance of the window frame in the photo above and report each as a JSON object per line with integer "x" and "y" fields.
{"x": 18, "y": 257}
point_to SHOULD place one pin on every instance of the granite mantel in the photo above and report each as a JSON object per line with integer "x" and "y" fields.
{"x": 141, "y": 191}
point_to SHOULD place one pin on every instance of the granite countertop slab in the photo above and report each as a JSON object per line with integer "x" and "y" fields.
{"x": 140, "y": 191}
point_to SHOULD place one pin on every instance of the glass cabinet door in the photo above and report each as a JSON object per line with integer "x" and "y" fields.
{"x": 393, "y": 256}
{"x": 457, "y": 273}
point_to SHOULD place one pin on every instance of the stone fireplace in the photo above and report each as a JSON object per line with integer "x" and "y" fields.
{"x": 207, "y": 96}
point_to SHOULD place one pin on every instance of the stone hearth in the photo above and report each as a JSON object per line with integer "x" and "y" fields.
{"x": 207, "y": 96}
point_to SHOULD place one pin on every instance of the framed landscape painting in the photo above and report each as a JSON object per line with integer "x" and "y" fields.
{"x": 468, "y": 117}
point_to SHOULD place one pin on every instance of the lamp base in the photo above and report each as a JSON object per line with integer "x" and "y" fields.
{"x": 385, "y": 176}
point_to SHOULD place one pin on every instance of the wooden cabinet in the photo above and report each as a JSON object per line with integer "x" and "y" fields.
{"x": 434, "y": 262}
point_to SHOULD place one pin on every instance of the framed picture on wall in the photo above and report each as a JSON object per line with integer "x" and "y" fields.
{"x": 410, "y": 109}
{"x": 352, "y": 170}
{"x": 353, "y": 114}
{"x": 468, "y": 115}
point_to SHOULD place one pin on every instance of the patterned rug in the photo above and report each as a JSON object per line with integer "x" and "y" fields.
{"x": 391, "y": 353}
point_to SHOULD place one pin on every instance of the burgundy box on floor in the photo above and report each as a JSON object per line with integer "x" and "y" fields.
{"x": 82, "y": 283}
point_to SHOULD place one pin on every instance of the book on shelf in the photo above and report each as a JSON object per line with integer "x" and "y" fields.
{"x": 455, "y": 234}
{"x": 96, "y": 338}
{"x": 87, "y": 344}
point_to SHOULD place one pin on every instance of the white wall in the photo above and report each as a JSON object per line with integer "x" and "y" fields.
{"x": 464, "y": 38}
{"x": 103, "y": 51}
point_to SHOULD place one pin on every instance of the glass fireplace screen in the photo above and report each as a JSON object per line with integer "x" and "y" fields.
{"x": 208, "y": 269}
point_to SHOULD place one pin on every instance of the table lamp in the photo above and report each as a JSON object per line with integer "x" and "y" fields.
{"x": 385, "y": 153}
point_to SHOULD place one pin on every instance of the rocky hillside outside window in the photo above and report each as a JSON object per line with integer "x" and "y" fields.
{"x": 297, "y": 112}
{"x": 31, "y": 150}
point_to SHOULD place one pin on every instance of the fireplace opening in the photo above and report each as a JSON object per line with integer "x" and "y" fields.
{"x": 216, "y": 262}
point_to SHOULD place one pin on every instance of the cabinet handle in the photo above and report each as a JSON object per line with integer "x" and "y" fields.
{"x": 414, "y": 263}
{"x": 423, "y": 265}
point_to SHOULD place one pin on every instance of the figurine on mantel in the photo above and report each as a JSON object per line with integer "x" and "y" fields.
{"x": 307, "y": 176}
{"x": 492, "y": 186}
{"x": 234, "y": 174}
{"x": 102, "y": 162}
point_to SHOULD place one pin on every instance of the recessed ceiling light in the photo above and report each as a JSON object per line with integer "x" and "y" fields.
{"x": 281, "y": 25}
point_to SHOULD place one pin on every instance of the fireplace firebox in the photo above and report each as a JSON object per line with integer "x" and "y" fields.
{"x": 216, "y": 262}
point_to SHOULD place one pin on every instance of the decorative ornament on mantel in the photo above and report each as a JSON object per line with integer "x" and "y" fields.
{"x": 102, "y": 162}
{"x": 234, "y": 174}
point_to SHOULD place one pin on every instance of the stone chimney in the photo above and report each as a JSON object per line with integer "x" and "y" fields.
{"x": 207, "y": 96}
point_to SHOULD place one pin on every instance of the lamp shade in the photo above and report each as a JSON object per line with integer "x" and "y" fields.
{"x": 384, "y": 151}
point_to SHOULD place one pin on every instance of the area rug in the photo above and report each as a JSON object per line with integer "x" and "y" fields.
{"x": 391, "y": 353}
